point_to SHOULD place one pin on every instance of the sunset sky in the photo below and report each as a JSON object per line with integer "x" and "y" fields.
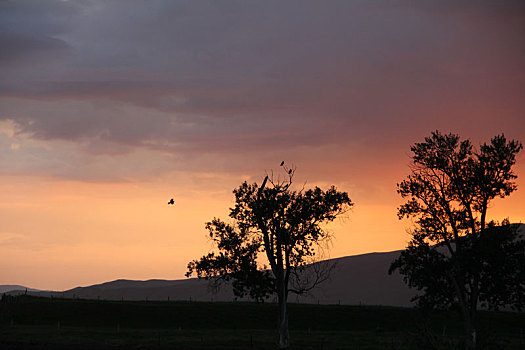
{"x": 110, "y": 108}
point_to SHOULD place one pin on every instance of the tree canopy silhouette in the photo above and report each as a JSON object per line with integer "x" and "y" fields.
{"x": 456, "y": 257}
{"x": 275, "y": 225}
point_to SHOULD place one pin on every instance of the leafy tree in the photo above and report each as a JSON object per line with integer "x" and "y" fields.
{"x": 278, "y": 226}
{"x": 456, "y": 257}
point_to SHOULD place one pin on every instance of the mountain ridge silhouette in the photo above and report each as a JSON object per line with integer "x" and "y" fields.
{"x": 356, "y": 279}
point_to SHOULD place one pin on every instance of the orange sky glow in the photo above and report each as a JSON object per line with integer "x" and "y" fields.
{"x": 62, "y": 234}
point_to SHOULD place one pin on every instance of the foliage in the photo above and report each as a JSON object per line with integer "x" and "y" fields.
{"x": 496, "y": 258}
{"x": 271, "y": 224}
{"x": 456, "y": 257}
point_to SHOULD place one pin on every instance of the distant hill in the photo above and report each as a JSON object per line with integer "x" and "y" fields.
{"x": 521, "y": 230}
{"x": 5, "y": 288}
{"x": 359, "y": 279}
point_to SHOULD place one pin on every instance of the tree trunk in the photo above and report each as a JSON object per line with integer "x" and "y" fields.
{"x": 282, "y": 325}
{"x": 471, "y": 320}
{"x": 470, "y": 332}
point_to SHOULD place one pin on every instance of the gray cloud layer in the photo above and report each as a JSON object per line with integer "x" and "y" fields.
{"x": 194, "y": 76}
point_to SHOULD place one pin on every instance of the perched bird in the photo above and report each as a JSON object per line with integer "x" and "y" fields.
{"x": 282, "y": 163}
{"x": 290, "y": 171}
{"x": 171, "y": 201}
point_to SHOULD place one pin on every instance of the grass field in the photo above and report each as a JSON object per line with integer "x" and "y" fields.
{"x": 40, "y": 323}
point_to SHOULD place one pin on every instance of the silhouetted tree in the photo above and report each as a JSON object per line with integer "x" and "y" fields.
{"x": 457, "y": 258}
{"x": 283, "y": 227}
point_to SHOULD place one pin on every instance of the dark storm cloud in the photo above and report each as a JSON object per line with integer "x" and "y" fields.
{"x": 26, "y": 47}
{"x": 229, "y": 75}
{"x": 481, "y": 9}
{"x": 27, "y": 30}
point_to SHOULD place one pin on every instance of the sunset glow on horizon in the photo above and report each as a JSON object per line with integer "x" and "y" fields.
{"x": 109, "y": 109}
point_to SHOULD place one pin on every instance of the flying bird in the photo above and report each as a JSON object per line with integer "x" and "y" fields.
{"x": 171, "y": 201}
{"x": 282, "y": 163}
